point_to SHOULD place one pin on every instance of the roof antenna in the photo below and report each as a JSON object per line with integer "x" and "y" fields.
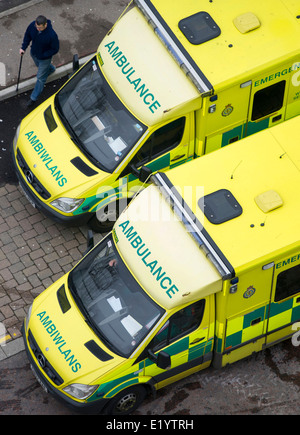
{"x": 235, "y": 169}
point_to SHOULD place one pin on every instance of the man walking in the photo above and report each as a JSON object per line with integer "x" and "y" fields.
{"x": 44, "y": 45}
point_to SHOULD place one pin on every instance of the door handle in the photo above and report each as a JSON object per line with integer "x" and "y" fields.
{"x": 276, "y": 118}
{"x": 256, "y": 321}
{"x": 177, "y": 158}
{"x": 197, "y": 340}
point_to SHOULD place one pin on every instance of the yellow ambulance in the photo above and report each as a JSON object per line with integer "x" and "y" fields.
{"x": 202, "y": 268}
{"x": 170, "y": 82}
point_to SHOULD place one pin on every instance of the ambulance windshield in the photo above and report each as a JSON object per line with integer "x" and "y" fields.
{"x": 114, "y": 304}
{"x": 96, "y": 119}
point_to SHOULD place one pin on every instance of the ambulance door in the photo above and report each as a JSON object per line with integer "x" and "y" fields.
{"x": 284, "y": 308}
{"x": 225, "y": 115}
{"x": 268, "y": 100}
{"x": 247, "y": 312}
{"x": 166, "y": 147}
{"x": 187, "y": 336}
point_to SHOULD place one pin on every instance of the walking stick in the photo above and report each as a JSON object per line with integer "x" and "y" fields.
{"x": 21, "y": 59}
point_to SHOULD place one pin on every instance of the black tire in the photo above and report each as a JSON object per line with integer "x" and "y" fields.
{"x": 126, "y": 401}
{"x": 104, "y": 219}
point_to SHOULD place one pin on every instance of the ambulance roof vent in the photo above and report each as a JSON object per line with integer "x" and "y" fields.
{"x": 268, "y": 201}
{"x": 246, "y": 22}
{"x": 220, "y": 206}
{"x": 199, "y": 28}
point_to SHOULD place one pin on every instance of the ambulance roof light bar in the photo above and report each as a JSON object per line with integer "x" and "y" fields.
{"x": 193, "y": 226}
{"x": 178, "y": 53}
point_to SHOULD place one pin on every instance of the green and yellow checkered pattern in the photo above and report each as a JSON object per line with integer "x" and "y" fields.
{"x": 244, "y": 328}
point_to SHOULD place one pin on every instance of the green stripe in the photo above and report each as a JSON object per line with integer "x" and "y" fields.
{"x": 277, "y": 308}
{"x": 254, "y": 127}
{"x": 296, "y": 314}
{"x": 248, "y": 318}
{"x": 234, "y": 132}
{"x": 234, "y": 339}
{"x": 200, "y": 350}
{"x": 122, "y": 387}
{"x": 132, "y": 378}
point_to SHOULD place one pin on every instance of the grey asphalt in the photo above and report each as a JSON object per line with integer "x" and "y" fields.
{"x": 11, "y": 6}
{"x": 80, "y": 25}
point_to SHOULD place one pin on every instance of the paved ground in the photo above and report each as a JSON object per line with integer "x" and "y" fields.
{"x": 80, "y": 25}
{"x": 34, "y": 251}
{"x": 11, "y": 6}
{"x": 267, "y": 383}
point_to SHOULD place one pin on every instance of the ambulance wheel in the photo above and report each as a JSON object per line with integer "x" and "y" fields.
{"x": 127, "y": 401}
{"x": 105, "y": 218}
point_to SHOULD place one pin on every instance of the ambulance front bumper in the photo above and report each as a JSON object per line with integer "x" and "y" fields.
{"x": 34, "y": 200}
{"x": 89, "y": 408}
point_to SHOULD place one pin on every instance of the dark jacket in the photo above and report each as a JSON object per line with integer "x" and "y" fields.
{"x": 43, "y": 44}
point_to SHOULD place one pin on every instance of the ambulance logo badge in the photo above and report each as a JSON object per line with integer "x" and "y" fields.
{"x": 41, "y": 360}
{"x": 249, "y": 292}
{"x": 228, "y": 110}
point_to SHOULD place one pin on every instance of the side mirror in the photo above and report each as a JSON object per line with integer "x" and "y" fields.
{"x": 134, "y": 170}
{"x": 162, "y": 359}
{"x": 75, "y": 63}
{"x": 142, "y": 173}
{"x": 145, "y": 173}
{"x": 90, "y": 241}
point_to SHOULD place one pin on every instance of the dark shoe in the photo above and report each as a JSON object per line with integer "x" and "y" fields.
{"x": 30, "y": 103}
{"x": 53, "y": 69}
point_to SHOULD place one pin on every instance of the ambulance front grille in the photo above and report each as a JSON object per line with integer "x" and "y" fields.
{"x": 31, "y": 178}
{"x": 43, "y": 362}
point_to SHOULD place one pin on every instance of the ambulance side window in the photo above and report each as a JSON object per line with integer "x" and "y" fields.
{"x": 268, "y": 100}
{"x": 288, "y": 283}
{"x": 180, "y": 324}
{"x": 162, "y": 140}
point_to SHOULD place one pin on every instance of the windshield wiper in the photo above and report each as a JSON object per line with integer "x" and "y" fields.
{"x": 72, "y": 133}
{"x": 85, "y": 151}
{"x": 74, "y": 136}
{"x": 88, "y": 318}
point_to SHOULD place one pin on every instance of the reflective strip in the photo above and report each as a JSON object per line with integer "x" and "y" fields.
{"x": 169, "y": 41}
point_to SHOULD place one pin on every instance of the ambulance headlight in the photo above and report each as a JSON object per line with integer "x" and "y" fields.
{"x": 15, "y": 140}
{"x": 80, "y": 391}
{"x": 67, "y": 205}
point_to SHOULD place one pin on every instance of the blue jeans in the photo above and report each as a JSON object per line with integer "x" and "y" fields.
{"x": 45, "y": 68}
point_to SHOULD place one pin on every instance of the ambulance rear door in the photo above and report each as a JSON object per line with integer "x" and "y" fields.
{"x": 250, "y": 106}
{"x": 268, "y": 99}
